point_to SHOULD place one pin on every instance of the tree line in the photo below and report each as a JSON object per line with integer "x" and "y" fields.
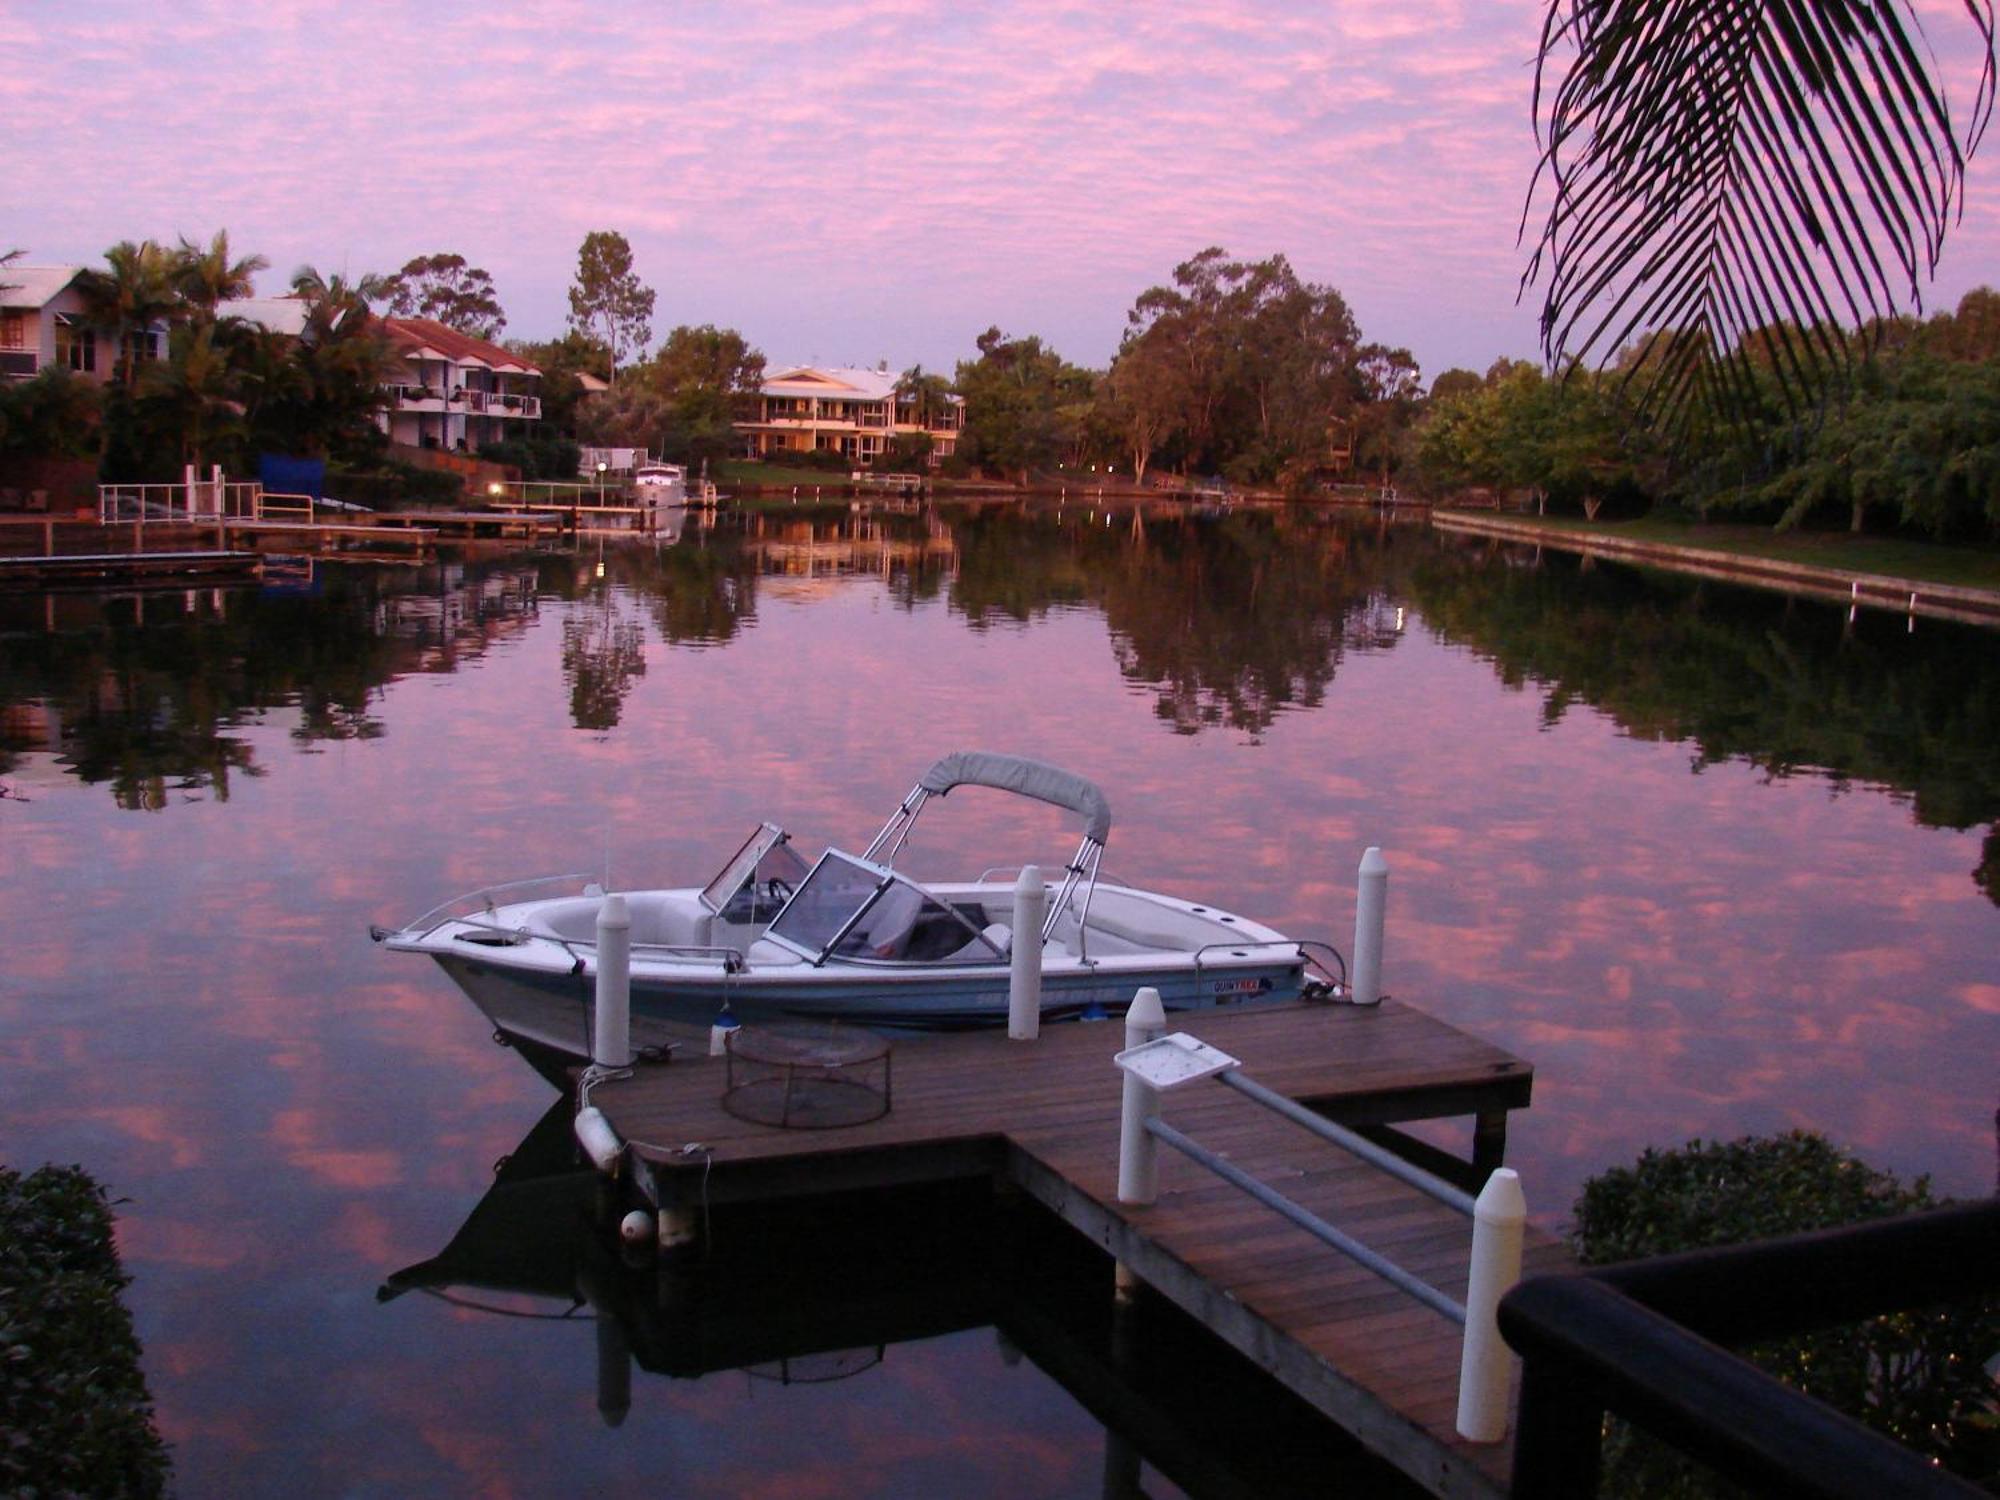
{"x": 1233, "y": 371}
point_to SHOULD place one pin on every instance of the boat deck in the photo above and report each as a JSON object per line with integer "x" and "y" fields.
{"x": 1045, "y": 1116}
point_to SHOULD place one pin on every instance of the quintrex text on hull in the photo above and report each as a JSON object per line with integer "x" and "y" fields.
{"x": 853, "y": 939}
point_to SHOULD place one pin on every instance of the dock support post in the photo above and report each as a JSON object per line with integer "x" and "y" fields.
{"x": 1024, "y": 978}
{"x": 611, "y": 1046}
{"x": 1370, "y": 899}
{"x": 1497, "y": 1220}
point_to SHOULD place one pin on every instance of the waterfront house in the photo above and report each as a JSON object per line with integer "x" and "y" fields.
{"x": 454, "y": 392}
{"x": 44, "y": 324}
{"x": 855, "y": 413}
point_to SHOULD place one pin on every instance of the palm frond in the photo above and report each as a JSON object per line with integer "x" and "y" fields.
{"x": 1733, "y": 183}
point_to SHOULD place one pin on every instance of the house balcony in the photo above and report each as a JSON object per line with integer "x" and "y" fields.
{"x": 426, "y": 399}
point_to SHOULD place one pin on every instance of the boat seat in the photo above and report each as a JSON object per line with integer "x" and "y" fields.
{"x": 999, "y": 934}
{"x": 1137, "y": 923}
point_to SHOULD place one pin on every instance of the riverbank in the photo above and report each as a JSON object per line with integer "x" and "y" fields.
{"x": 1884, "y": 573}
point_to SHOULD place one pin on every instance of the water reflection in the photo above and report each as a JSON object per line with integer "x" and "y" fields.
{"x": 1789, "y": 687}
{"x": 191, "y": 1007}
{"x": 881, "y": 1274}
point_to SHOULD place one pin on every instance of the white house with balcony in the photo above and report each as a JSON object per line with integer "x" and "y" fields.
{"x": 855, "y": 413}
{"x": 451, "y": 391}
{"x": 45, "y": 325}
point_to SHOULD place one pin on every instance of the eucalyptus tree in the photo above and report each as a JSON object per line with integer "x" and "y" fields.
{"x": 1022, "y": 400}
{"x": 608, "y": 301}
{"x": 447, "y": 290}
{"x": 1143, "y": 398}
{"x": 1729, "y": 183}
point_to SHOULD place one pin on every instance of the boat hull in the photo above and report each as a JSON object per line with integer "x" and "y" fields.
{"x": 554, "y": 1008}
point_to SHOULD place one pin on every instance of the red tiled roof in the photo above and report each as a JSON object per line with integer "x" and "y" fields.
{"x": 431, "y": 334}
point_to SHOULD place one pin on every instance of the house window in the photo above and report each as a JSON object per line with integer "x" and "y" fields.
{"x": 13, "y": 331}
{"x": 76, "y": 345}
{"x": 142, "y": 346}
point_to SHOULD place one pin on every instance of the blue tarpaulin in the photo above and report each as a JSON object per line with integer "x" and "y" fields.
{"x": 283, "y": 475}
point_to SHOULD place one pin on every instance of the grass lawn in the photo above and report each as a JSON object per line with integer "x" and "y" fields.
{"x": 1893, "y": 557}
{"x": 738, "y": 471}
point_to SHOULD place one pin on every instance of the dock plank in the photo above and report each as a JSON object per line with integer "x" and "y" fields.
{"x": 1046, "y": 1114}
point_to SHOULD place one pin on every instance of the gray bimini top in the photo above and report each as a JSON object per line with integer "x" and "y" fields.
{"x": 1029, "y": 778}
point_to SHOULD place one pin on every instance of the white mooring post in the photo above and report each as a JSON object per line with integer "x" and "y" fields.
{"x": 611, "y": 1045}
{"x": 1024, "y": 978}
{"x": 1497, "y": 1220}
{"x": 1370, "y": 899}
{"x": 1138, "y": 1151}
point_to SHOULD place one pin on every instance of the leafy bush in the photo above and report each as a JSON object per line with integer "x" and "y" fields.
{"x": 389, "y": 484}
{"x": 1919, "y": 1376}
{"x": 536, "y": 457}
{"x": 75, "y": 1416}
{"x": 800, "y": 458}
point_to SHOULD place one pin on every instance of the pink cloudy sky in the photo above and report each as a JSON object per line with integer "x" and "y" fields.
{"x": 846, "y": 181}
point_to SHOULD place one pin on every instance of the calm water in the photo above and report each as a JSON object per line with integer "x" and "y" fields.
{"x": 1714, "y": 861}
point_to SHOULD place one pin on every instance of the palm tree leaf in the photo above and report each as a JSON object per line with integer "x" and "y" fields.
{"x": 1730, "y": 176}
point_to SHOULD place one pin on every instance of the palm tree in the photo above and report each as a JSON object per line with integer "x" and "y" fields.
{"x": 132, "y": 293}
{"x": 1729, "y": 182}
{"x": 929, "y": 393}
{"x": 342, "y": 353}
{"x": 192, "y": 393}
{"x": 207, "y": 277}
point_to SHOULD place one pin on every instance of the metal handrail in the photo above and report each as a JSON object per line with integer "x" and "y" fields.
{"x": 1301, "y": 944}
{"x": 482, "y": 900}
{"x": 1312, "y": 1223}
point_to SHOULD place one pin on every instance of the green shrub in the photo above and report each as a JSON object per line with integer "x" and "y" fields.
{"x": 537, "y": 457}
{"x": 1918, "y": 1376}
{"x": 75, "y": 1416}
{"x": 389, "y": 485}
{"x": 825, "y": 460}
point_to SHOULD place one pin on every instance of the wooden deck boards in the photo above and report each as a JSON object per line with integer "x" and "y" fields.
{"x": 1047, "y": 1114}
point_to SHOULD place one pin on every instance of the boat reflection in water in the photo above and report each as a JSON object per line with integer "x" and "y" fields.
{"x": 887, "y": 1268}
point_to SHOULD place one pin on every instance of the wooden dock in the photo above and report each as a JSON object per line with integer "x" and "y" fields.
{"x": 1044, "y": 1116}
{"x": 174, "y": 569}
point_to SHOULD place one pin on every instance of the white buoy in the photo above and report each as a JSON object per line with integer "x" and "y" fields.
{"x": 1370, "y": 900}
{"x": 599, "y": 1141}
{"x": 1024, "y": 977}
{"x": 636, "y": 1228}
{"x": 718, "y": 1034}
{"x": 611, "y": 1046}
{"x": 1138, "y": 1151}
{"x": 1485, "y": 1364}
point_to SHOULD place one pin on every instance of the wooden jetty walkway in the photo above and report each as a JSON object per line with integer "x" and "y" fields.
{"x": 1044, "y": 1116}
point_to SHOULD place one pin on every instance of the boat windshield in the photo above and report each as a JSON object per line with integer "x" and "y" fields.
{"x": 850, "y": 908}
{"x": 758, "y": 880}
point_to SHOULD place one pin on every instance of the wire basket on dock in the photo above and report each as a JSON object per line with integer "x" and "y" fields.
{"x": 806, "y": 1076}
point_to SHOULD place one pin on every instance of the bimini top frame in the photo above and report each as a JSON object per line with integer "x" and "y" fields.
{"x": 1026, "y": 778}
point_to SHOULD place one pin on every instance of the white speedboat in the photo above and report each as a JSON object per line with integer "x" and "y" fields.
{"x": 660, "y": 486}
{"x": 852, "y": 938}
